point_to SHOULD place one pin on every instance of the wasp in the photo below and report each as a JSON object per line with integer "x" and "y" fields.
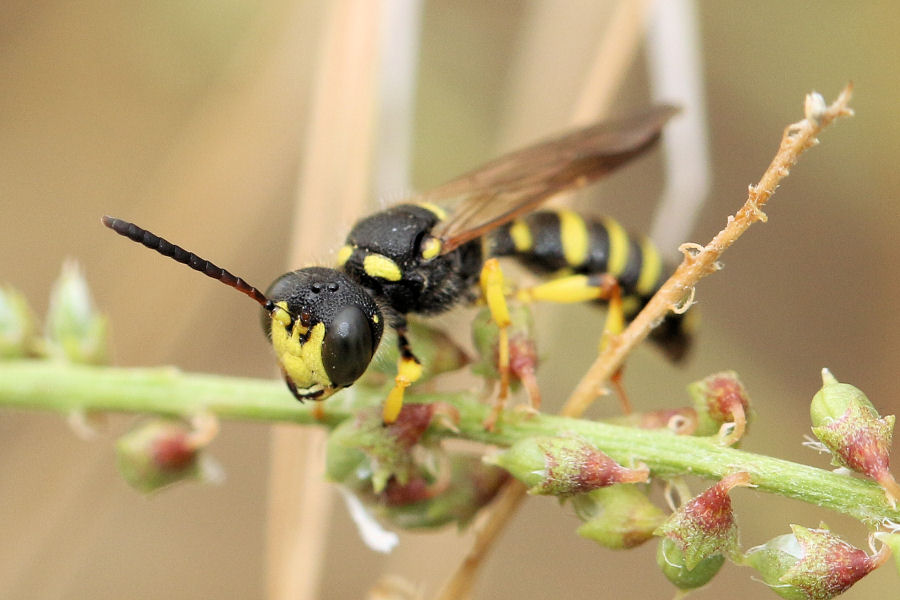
{"x": 425, "y": 256}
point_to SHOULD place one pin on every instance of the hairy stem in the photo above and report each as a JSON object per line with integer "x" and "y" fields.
{"x": 59, "y": 387}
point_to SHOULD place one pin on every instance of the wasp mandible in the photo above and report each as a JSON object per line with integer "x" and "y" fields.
{"x": 424, "y": 256}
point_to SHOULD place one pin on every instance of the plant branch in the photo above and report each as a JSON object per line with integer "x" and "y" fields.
{"x": 677, "y": 290}
{"x": 63, "y": 388}
{"x": 797, "y": 138}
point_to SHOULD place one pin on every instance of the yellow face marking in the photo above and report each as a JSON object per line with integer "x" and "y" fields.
{"x": 439, "y": 212}
{"x": 281, "y": 316}
{"x": 431, "y": 248}
{"x": 521, "y": 236}
{"x": 343, "y": 255}
{"x": 618, "y": 247}
{"x": 574, "y": 236}
{"x": 380, "y": 266}
{"x": 301, "y": 361}
{"x": 651, "y": 268}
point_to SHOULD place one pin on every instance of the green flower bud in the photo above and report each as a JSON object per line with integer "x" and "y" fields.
{"x": 523, "y": 356}
{"x": 75, "y": 331}
{"x": 810, "y": 564}
{"x": 705, "y": 526}
{"x": 617, "y": 517}
{"x": 423, "y": 505}
{"x": 892, "y": 541}
{"x": 846, "y": 422}
{"x": 564, "y": 466}
{"x": 161, "y": 452}
{"x": 385, "y": 452}
{"x": 671, "y": 561}
{"x": 17, "y": 324}
{"x": 722, "y": 406}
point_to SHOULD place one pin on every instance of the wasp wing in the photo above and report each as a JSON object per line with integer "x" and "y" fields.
{"x": 516, "y": 183}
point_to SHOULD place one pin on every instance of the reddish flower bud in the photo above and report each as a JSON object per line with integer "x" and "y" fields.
{"x": 162, "y": 452}
{"x": 617, "y": 517}
{"x": 722, "y": 406}
{"x": 705, "y": 526}
{"x": 523, "y": 356}
{"x": 811, "y": 564}
{"x": 386, "y": 448}
{"x": 564, "y": 466}
{"x": 846, "y": 422}
{"x": 455, "y": 495}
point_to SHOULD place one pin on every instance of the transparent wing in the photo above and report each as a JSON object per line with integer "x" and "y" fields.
{"x": 515, "y": 184}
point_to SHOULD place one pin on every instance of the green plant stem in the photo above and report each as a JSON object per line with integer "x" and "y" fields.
{"x": 46, "y": 385}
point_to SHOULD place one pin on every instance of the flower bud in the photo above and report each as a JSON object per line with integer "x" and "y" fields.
{"x": 523, "y": 357}
{"x": 811, "y": 564}
{"x": 671, "y": 561}
{"x": 846, "y": 422}
{"x": 162, "y": 452}
{"x": 705, "y": 526}
{"x": 385, "y": 451}
{"x": 17, "y": 324}
{"x": 564, "y": 466}
{"x": 76, "y": 332}
{"x": 722, "y": 406}
{"x": 617, "y": 517}
{"x": 422, "y": 505}
{"x": 892, "y": 541}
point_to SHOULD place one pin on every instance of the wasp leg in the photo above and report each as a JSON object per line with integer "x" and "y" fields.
{"x": 409, "y": 369}
{"x": 492, "y": 289}
{"x": 583, "y": 288}
{"x": 615, "y": 324}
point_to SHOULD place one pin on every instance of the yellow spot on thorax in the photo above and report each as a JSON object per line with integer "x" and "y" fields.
{"x": 382, "y": 267}
{"x": 431, "y": 248}
{"x": 573, "y": 234}
{"x": 343, "y": 255}
{"x": 618, "y": 247}
{"x": 439, "y": 212}
{"x": 521, "y": 236}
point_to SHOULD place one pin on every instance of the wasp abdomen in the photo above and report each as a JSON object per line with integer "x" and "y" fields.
{"x": 564, "y": 241}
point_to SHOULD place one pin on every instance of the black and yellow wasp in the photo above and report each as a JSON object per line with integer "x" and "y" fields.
{"x": 425, "y": 256}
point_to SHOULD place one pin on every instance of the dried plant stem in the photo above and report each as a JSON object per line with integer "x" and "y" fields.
{"x": 797, "y": 138}
{"x": 677, "y": 290}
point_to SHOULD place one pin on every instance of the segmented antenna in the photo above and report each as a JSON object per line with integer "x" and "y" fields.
{"x": 166, "y": 248}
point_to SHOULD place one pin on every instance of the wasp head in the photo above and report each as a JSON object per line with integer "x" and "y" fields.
{"x": 324, "y": 329}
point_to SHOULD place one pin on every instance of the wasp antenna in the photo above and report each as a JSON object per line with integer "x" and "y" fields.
{"x": 179, "y": 254}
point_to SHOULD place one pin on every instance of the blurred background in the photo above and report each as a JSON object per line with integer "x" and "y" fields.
{"x": 194, "y": 120}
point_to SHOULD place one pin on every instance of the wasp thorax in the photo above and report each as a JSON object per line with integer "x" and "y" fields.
{"x": 324, "y": 330}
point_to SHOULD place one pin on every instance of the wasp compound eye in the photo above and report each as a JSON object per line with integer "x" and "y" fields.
{"x": 326, "y": 331}
{"x": 348, "y": 346}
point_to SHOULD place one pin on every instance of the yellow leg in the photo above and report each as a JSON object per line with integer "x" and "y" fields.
{"x": 492, "y": 289}
{"x": 570, "y": 289}
{"x": 409, "y": 370}
{"x": 615, "y": 324}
